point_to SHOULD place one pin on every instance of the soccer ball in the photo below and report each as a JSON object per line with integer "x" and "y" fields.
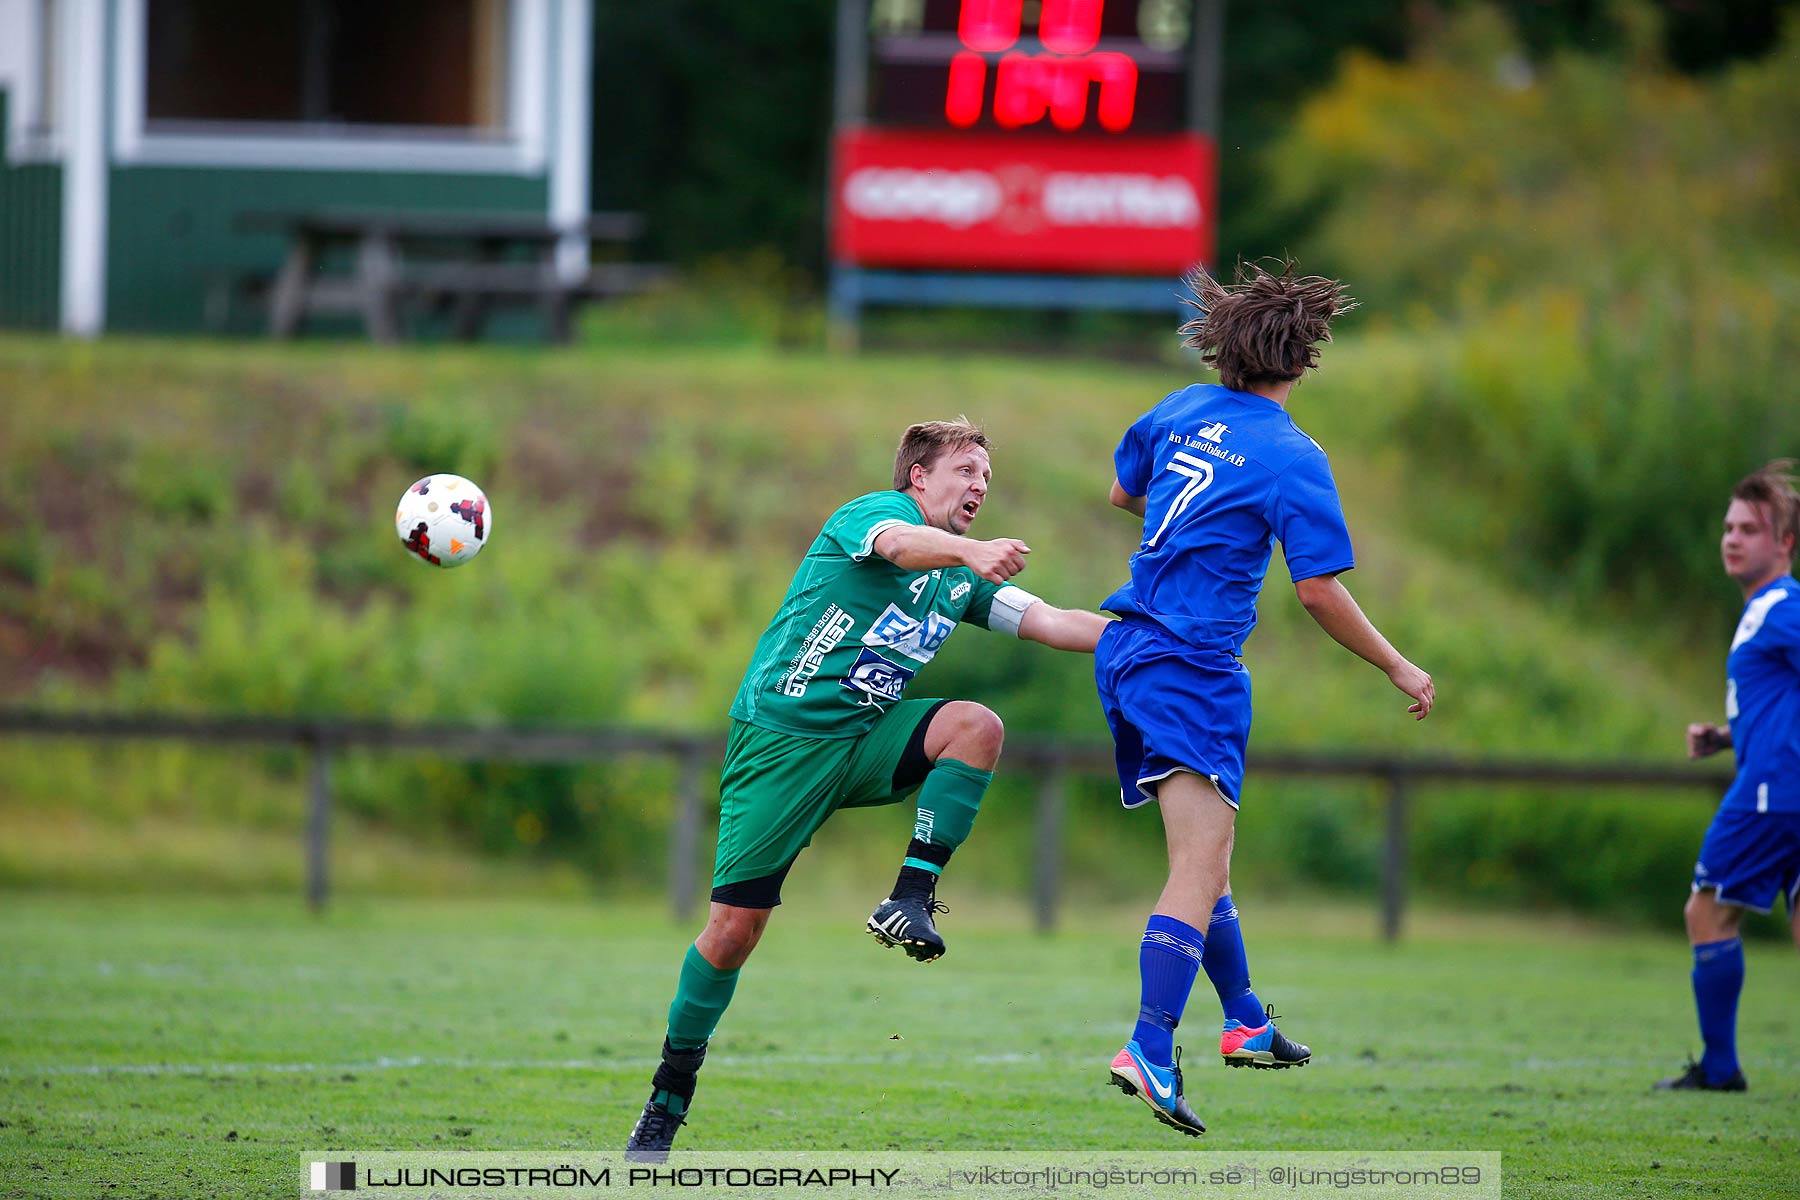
{"x": 445, "y": 520}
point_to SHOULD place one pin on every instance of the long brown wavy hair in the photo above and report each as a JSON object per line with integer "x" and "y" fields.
{"x": 1265, "y": 327}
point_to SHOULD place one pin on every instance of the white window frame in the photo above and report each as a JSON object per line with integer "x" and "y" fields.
{"x": 34, "y": 136}
{"x": 521, "y": 149}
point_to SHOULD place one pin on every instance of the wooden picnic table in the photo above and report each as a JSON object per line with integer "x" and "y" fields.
{"x": 468, "y": 262}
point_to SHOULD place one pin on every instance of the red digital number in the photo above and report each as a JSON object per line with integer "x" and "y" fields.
{"x": 1117, "y": 75}
{"x": 1071, "y": 26}
{"x": 966, "y": 90}
{"x": 1028, "y": 87}
{"x": 989, "y": 25}
{"x": 1019, "y": 91}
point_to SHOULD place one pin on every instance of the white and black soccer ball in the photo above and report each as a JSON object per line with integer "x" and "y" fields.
{"x": 444, "y": 520}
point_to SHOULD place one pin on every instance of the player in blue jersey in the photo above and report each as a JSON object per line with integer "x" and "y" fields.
{"x": 1218, "y": 473}
{"x": 1752, "y": 848}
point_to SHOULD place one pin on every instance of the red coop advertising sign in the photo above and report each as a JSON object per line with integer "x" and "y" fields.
{"x": 993, "y": 201}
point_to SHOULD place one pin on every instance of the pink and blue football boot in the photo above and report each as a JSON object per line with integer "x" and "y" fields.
{"x": 1157, "y": 1086}
{"x": 1263, "y": 1047}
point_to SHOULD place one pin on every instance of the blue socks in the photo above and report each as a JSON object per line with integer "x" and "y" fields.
{"x": 1172, "y": 951}
{"x": 1227, "y": 967}
{"x": 1718, "y": 978}
{"x": 1168, "y": 960}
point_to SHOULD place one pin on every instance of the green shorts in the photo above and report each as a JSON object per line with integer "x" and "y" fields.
{"x": 777, "y": 789}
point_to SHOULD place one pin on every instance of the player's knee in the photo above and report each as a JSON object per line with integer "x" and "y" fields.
{"x": 1201, "y": 861}
{"x": 731, "y": 935}
{"x": 979, "y": 735}
{"x": 1707, "y": 919}
{"x": 1691, "y": 914}
{"x": 988, "y": 731}
{"x": 1201, "y": 871}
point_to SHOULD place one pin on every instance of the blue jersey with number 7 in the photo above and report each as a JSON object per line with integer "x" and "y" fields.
{"x": 1225, "y": 474}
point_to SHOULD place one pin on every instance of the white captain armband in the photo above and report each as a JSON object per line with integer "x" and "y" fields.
{"x": 1008, "y": 609}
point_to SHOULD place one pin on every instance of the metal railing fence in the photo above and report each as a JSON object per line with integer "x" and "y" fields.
{"x": 1050, "y": 761}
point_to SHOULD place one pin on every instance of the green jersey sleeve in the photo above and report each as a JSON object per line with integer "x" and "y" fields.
{"x": 854, "y": 527}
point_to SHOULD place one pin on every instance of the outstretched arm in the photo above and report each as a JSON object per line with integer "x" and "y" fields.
{"x": 1330, "y": 603}
{"x": 1063, "y": 628}
{"x": 1125, "y": 500}
{"x": 926, "y": 548}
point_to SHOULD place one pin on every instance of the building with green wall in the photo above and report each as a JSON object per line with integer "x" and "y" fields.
{"x": 136, "y": 136}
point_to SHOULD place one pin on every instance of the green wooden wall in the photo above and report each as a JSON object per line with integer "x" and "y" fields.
{"x": 30, "y": 239}
{"x": 173, "y": 250}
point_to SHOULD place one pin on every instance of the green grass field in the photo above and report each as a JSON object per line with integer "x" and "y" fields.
{"x": 186, "y": 1046}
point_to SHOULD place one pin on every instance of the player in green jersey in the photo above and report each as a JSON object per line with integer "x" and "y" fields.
{"x": 819, "y": 723}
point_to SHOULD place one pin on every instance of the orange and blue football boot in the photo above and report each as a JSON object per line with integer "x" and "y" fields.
{"x": 1159, "y": 1087}
{"x": 1264, "y": 1046}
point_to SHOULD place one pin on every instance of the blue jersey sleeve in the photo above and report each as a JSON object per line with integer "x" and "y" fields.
{"x": 1135, "y": 458}
{"x": 1783, "y": 627}
{"x": 1305, "y": 514}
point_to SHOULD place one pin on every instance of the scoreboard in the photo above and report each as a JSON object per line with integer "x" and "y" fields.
{"x": 1056, "y": 66}
{"x": 1025, "y": 136}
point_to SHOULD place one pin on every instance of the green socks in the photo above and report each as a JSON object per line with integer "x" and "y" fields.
{"x": 948, "y": 803}
{"x": 947, "y": 806}
{"x": 700, "y": 1000}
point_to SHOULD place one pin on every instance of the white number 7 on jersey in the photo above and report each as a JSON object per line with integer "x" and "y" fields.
{"x": 1199, "y": 474}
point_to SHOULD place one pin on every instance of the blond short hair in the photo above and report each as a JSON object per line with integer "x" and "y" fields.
{"x": 1771, "y": 488}
{"x": 928, "y": 441}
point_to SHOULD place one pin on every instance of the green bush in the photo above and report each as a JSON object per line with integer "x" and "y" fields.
{"x": 646, "y": 531}
{"x": 1619, "y": 855}
{"x": 1594, "y": 262}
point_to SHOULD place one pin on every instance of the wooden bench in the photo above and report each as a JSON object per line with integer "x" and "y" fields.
{"x": 471, "y": 290}
{"x": 466, "y": 263}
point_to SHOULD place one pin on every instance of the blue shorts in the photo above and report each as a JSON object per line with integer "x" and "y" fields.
{"x": 1171, "y": 708}
{"x": 1747, "y": 857}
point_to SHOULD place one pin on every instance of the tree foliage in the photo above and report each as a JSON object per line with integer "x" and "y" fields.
{"x": 1604, "y": 249}
{"x": 713, "y": 116}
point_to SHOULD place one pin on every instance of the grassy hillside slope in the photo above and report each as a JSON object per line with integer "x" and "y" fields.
{"x": 207, "y": 527}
